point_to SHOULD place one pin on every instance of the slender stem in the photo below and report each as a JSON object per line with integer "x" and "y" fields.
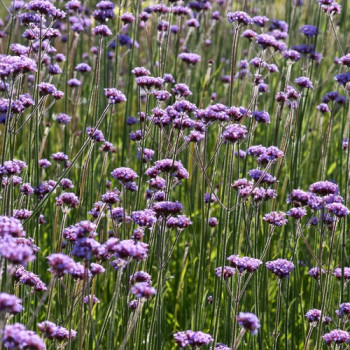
{"x": 276, "y": 332}
{"x": 239, "y": 338}
{"x": 233, "y": 62}
{"x": 312, "y": 326}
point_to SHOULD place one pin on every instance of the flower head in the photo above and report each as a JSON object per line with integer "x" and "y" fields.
{"x": 249, "y": 321}
{"x": 280, "y": 267}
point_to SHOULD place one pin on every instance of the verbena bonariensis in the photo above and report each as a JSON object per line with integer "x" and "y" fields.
{"x": 156, "y": 157}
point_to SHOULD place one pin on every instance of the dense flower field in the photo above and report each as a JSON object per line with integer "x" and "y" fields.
{"x": 174, "y": 174}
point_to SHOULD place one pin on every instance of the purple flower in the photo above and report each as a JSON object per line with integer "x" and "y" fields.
{"x": 46, "y": 89}
{"x": 248, "y": 321}
{"x": 157, "y": 182}
{"x": 180, "y": 222}
{"x": 234, "y": 132}
{"x": 314, "y": 315}
{"x": 256, "y": 151}
{"x": 343, "y": 78}
{"x": 78, "y": 271}
{"x": 52, "y": 331}
{"x": 102, "y": 31}
{"x": 59, "y": 157}
{"x": 345, "y": 60}
{"x": 124, "y": 175}
{"x": 144, "y": 218}
{"x": 280, "y": 267}
{"x": 63, "y": 118}
{"x": 27, "y": 189}
{"x": 168, "y": 78}
{"x": 267, "y": 40}
{"x": 221, "y": 346}
{"x": 257, "y": 174}
{"x": 212, "y": 222}
{"x": 149, "y": 82}
{"x": 60, "y": 264}
{"x": 28, "y": 278}
{"x": 12, "y": 167}
{"x": 338, "y": 209}
{"x": 143, "y": 290}
{"x": 45, "y": 8}
{"x": 114, "y": 96}
{"x": 16, "y": 336}
{"x": 88, "y": 298}
{"x": 165, "y": 208}
{"x": 344, "y": 310}
{"x": 195, "y": 136}
{"x": 304, "y": 83}
{"x": 140, "y": 276}
{"x": 127, "y": 17}
{"x": 240, "y": 17}
{"x": 67, "y": 199}
{"x": 296, "y": 213}
{"x": 291, "y": 55}
{"x": 147, "y": 154}
{"x": 338, "y": 273}
{"x": 130, "y": 249}
{"x": 315, "y": 272}
{"x": 249, "y": 34}
{"x": 95, "y": 134}
{"x": 190, "y": 58}
{"x": 140, "y": 72}
{"x": 276, "y": 218}
{"x": 260, "y": 21}
{"x": 308, "y": 30}
{"x": 261, "y": 116}
{"x": 16, "y": 251}
{"x": 337, "y": 336}
{"x": 324, "y": 188}
{"x": 331, "y": 9}
{"x": 298, "y": 197}
{"x": 10, "y": 304}
{"x": 245, "y": 263}
{"x": 19, "y": 49}
{"x": 22, "y": 214}
{"x": 110, "y": 197}
{"x": 161, "y": 95}
{"x": 108, "y": 147}
{"x": 84, "y": 248}
{"x": 271, "y": 154}
{"x": 82, "y": 68}
{"x": 194, "y": 339}
{"x": 323, "y": 108}
{"x": 181, "y": 90}
{"x": 118, "y": 215}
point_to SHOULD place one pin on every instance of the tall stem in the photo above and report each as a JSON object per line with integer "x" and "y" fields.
{"x": 233, "y": 62}
{"x": 276, "y": 332}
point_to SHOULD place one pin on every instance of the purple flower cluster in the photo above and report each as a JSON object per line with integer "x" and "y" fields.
{"x": 194, "y": 339}
{"x": 234, "y": 133}
{"x": 280, "y": 267}
{"x": 144, "y": 218}
{"x": 190, "y": 58}
{"x": 244, "y": 264}
{"x": 10, "y": 304}
{"x": 314, "y": 315}
{"x": 240, "y": 17}
{"x": 143, "y": 290}
{"x": 227, "y": 272}
{"x": 16, "y": 336}
{"x": 248, "y": 321}
{"x": 276, "y": 218}
{"x": 54, "y": 332}
{"x": 337, "y": 336}
{"x": 114, "y": 96}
